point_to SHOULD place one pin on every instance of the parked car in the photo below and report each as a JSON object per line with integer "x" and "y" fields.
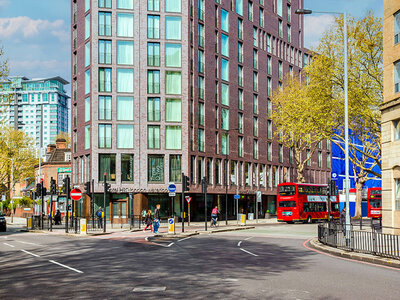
{"x": 3, "y": 223}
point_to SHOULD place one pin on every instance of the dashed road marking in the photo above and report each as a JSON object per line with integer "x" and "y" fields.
{"x": 33, "y": 254}
{"x": 28, "y": 243}
{"x": 248, "y": 252}
{"x": 149, "y": 289}
{"x": 72, "y": 269}
{"x": 250, "y": 237}
{"x": 9, "y": 245}
{"x": 186, "y": 238}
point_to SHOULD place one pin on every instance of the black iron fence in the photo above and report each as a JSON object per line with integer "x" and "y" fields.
{"x": 371, "y": 242}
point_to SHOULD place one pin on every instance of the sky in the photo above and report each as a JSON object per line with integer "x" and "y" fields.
{"x": 35, "y": 34}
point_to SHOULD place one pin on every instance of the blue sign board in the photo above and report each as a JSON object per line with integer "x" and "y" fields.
{"x": 334, "y": 176}
{"x": 236, "y": 196}
{"x": 172, "y": 188}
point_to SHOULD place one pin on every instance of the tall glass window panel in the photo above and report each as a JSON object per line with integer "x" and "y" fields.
{"x": 239, "y": 7}
{"x": 87, "y": 137}
{"x": 127, "y": 167}
{"x": 173, "y": 28}
{"x": 105, "y": 3}
{"x": 87, "y": 54}
{"x": 87, "y": 5}
{"x": 104, "y": 52}
{"x": 125, "y": 52}
{"x": 125, "y": 80}
{"x": 397, "y": 194}
{"x": 397, "y": 77}
{"x": 240, "y": 122}
{"x": 104, "y": 79}
{"x": 240, "y": 76}
{"x": 87, "y": 26}
{"x": 255, "y": 149}
{"x": 173, "y": 55}
{"x": 155, "y": 168}
{"x": 153, "y": 82}
{"x": 224, "y": 143}
{"x": 153, "y": 5}
{"x": 153, "y": 109}
{"x": 153, "y": 27}
{"x": 279, "y": 7}
{"x": 125, "y": 4}
{"x": 153, "y": 54}
{"x": 173, "y": 83}
{"x": 125, "y": 136}
{"x": 225, "y": 119}
{"x": 201, "y": 113}
{"x": 240, "y": 52}
{"x": 87, "y": 81}
{"x": 397, "y": 28}
{"x": 201, "y": 87}
{"x": 201, "y": 140}
{"x": 173, "y": 6}
{"x": 105, "y": 107}
{"x": 124, "y": 108}
{"x": 224, "y": 20}
{"x": 105, "y": 23}
{"x": 104, "y": 135}
{"x": 240, "y": 99}
{"x": 201, "y": 61}
{"x": 240, "y": 29}
{"x": 225, "y": 69}
{"x": 153, "y": 137}
{"x": 224, "y": 45}
{"x": 173, "y": 110}
{"x": 87, "y": 109}
{"x": 225, "y": 94}
{"x": 173, "y": 137}
{"x": 107, "y": 166}
{"x": 201, "y": 35}
{"x": 175, "y": 168}
{"x": 124, "y": 24}
{"x": 240, "y": 146}
{"x": 396, "y": 129}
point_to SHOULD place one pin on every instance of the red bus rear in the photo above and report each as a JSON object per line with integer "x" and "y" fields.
{"x": 374, "y": 198}
{"x": 303, "y": 202}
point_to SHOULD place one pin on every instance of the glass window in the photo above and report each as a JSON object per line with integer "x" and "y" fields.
{"x": 87, "y": 109}
{"x": 153, "y": 27}
{"x": 173, "y": 137}
{"x": 261, "y": 17}
{"x": 397, "y": 28}
{"x": 87, "y": 81}
{"x": 104, "y": 79}
{"x": 280, "y": 28}
{"x": 172, "y": 28}
{"x": 240, "y": 99}
{"x": 104, "y": 135}
{"x": 125, "y": 52}
{"x": 255, "y": 126}
{"x": 201, "y": 35}
{"x": 224, "y": 20}
{"x": 87, "y": 5}
{"x": 201, "y": 87}
{"x": 104, "y": 52}
{"x": 124, "y": 80}
{"x": 153, "y": 109}
{"x": 255, "y": 81}
{"x": 173, "y": 83}
{"x": 239, "y": 7}
{"x": 124, "y": 108}
{"x": 397, "y": 77}
{"x": 201, "y": 9}
{"x": 173, "y": 55}
{"x": 240, "y": 122}
{"x": 125, "y": 24}
{"x": 255, "y": 40}
{"x": 105, "y": 107}
{"x": 201, "y": 113}
{"x": 125, "y": 4}
{"x": 397, "y": 194}
{"x": 396, "y": 128}
{"x": 224, "y": 45}
{"x": 224, "y": 143}
{"x": 240, "y": 76}
{"x": 87, "y": 137}
{"x": 153, "y": 137}
{"x": 255, "y": 149}
{"x": 268, "y": 43}
{"x": 87, "y": 26}
{"x": 173, "y": 6}
{"x": 124, "y": 136}
{"x": 175, "y": 169}
{"x": 225, "y": 94}
{"x": 153, "y": 5}
{"x": 201, "y": 61}
{"x": 240, "y": 146}
{"x": 201, "y": 139}
{"x": 307, "y": 157}
{"x": 269, "y": 151}
{"x": 240, "y": 29}
{"x": 87, "y": 54}
{"x": 269, "y": 129}
{"x": 225, "y": 69}
{"x": 279, "y": 7}
{"x": 250, "y": 10}
{"x": 105, "y": 3}
{"x": 255, "y": 104}
{"x": 153, "y": 54}
{"x": 225, "y": 119}
{"x": 127, "y": 165}
{"x": 240, "y": 52}
{"x": 173, "y": 110}
{"x": 107, "y": 166}
{"x": 105, "y": 23}
{"x": 255, "y": 59}
{"x": 155, "y": 168}
{"x": 153, "y": 82}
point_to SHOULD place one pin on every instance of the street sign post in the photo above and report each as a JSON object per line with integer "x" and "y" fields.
{"x": 334, "y": 176}
{"x": 172, "y": 188}
{"x": 172, "y": 194}
{"x": 171, "y": 225}
{"x": 259, "y": 197}
{"x": 236, "y": 197}
{"x": 188, "y": 199}
{"x": 76, "y": 194}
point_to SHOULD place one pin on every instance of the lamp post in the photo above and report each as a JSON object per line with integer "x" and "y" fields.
{"x": 346, "y": 114}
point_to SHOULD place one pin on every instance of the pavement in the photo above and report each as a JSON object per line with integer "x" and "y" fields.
{"x": 266, "y": 262}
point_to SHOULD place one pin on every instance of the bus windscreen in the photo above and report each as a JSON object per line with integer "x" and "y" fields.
{"x": 287, "y": 190}
{"x": 287, "y": 203}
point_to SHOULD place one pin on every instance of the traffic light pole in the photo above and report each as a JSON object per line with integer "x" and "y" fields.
{"x": 67, "y": 192}
{"x": 183, "y": 201}
{"x": 92, "y": 202}
{"x": 104, "y": 204}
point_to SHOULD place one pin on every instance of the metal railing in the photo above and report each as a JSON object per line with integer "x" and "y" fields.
{"x": 370, "y": 242}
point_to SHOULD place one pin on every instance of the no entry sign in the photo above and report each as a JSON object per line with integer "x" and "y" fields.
{"x": 76, "y": 194}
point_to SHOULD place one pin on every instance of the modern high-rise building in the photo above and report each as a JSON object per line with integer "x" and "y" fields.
{"x": 391, "y": 117}
{"x": 39, "y": 107}
{"x": 162, "y": 87}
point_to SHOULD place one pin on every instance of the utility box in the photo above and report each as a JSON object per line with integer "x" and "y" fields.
{"x": 243, "y": 219}
{"x": 83, "y": 226}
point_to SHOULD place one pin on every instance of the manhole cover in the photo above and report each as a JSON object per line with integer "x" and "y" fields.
{"x": 149, "y": 289}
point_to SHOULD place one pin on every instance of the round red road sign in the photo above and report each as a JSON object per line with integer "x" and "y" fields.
{"x": 76, "y": 194}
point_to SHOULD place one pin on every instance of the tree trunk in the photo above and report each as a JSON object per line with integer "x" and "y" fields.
{"x": 300, "y": 177}
{"x": 359, "y": 187}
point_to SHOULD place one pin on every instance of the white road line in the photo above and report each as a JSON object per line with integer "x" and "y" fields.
{"x": 186, "y": 238}
{"x": 248, "y": 252}
{"x": 9, "y": 245}
{"x": 170, "y": 244}
{"x": 72, "y": 269}
{"x": 250, "y": 237}
{"x": 28, "y": 243}
{"x": 239, "y": 243}
{"x": 33, "y": 254}
{"x": 146, "y": 238}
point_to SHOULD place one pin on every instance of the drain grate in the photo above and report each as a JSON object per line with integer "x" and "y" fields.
{"x": 149, "y": 289}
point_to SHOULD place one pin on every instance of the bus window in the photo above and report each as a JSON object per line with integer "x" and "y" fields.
{"x": 375, "y": 192}
{"x": 287, "y": 190}
{"x": 375, "y": 203}
{"x": 335, "y": 206}
{"x": 287, "y": 203}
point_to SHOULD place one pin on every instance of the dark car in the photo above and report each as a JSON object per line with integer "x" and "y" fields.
{"x": 3, "y": 223}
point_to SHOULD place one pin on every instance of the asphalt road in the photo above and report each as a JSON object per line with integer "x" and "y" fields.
{"x": 268, "y": 262}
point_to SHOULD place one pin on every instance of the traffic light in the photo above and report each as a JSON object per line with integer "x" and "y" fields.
{"x": 107, "y": 187}
{"x": 204, "y": 185}
{"x": 185, "y": 183}
{"x": 39, "y": 189}
{"x": 66, "y": 187}
{"x": 53, "y": 186}
{"x": 333, "y": 188}
{"x": 87, "y": 188}
{"x": 44, "y": 192}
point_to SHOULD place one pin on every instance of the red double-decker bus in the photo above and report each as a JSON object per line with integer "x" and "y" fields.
{"x": 374, "y": 198}
{"x": 304, "y": 202}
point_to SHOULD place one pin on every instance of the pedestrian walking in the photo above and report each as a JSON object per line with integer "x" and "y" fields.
{"x": 157, "y": 219}
{"x": 148, "y": 220}
{"x": 99, "y": 215}
{"x": 57, "y": 218}
{"x": 343, "y": 220}
{"x": 214, "y": 216}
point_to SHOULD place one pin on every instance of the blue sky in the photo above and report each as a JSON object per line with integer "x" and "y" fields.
{"x": 35, "y": 34}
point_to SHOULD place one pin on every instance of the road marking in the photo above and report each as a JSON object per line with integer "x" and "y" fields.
{"x": 250, "y": 237}
{"x": 239, "y": 243}
{"x": 231, "y": 279}
{"x": 33, "y": 254}
{"x": 72, "y": 269}
{"x": 248, "y": 252}
{"x": 149, "y": 289}
{"x": 146, "y": 238}
{"x": 186, "y": 238}
{"x": 170, "y": 244}
{"x": 28, "y": 243}
{"x": 9, "y": 245}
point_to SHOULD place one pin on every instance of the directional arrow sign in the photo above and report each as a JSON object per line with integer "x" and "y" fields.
{"x": 76, "y": 194}
{"x": 188, "y": 199}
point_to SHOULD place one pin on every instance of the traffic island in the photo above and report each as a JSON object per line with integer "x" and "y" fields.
{"x": 197, "y": 232}
{"x": 369, "y": 258}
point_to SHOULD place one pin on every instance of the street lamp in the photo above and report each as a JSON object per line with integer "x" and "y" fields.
{"x": 346, "y": 114}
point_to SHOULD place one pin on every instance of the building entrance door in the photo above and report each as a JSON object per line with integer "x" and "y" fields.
{"x": 119, "y": 212}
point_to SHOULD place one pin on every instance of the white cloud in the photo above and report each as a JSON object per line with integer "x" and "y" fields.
{"x": 4, "y": 3}
{"x": 39, "y": 68}
{"x": 314, "y": 27}
{"x": 28, "y": 27}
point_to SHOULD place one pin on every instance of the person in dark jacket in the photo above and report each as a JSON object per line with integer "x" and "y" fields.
{"x": 57, "y": 218}
{"x": 148, "y": 220}
{"x": 99, "y": 215}
{"x": 343, "y": 219}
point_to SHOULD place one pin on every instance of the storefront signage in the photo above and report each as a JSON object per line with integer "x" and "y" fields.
{"x": 64, "y": 170}
{"x": 133, "y": 190}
